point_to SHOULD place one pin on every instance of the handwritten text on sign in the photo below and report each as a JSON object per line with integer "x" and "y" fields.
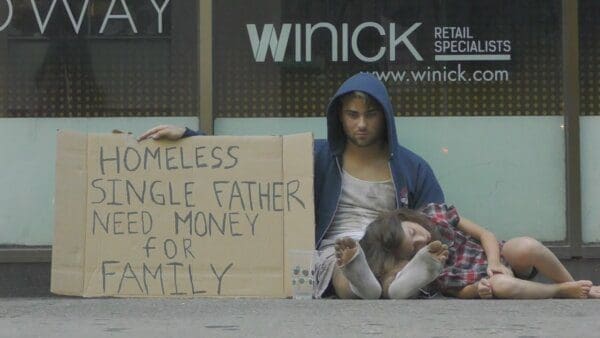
{"x": 187, "y": 218}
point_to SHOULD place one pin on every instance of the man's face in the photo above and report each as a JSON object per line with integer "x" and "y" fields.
{"x": 364, "y": 126}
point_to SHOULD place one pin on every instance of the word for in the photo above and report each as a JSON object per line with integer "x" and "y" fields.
{"x": 270, "y": 40}
{"x": 168, "y": 158}
{"x": 250, "y": 195}
{"x": 170, "y": 249}
{"x": 118, "y": 276}
{"x": 76, "y": 23}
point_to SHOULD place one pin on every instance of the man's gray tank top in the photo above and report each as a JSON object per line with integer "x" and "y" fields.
{"x": 360, "y": 204}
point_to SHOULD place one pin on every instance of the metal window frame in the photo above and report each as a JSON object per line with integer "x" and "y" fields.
{"x": 574, "y": 245}
{"x": 29, "y": 254}
{"x": 205, "y": 55}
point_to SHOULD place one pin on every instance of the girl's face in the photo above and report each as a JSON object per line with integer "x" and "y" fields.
{"x": 415, "y": 238}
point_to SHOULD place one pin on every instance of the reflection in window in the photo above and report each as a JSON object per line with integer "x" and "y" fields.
{"x": 89, "y": 59}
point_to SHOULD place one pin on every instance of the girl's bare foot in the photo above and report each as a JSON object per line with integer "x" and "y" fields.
{"x": 421, "y": 270}
{"x": 352, "y": 263}
{"x": 578, "y": 289}
{"x": 438, "y": 251}
{"x": 345, "y": 250}
{"x": 484, "y": 289}
{"x": 594, "y": 292}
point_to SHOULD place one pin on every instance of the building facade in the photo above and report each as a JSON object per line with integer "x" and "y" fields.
{"x": 501, "y": 97}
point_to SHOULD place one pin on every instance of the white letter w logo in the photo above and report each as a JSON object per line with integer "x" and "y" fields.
{"x": 269, "y": 40}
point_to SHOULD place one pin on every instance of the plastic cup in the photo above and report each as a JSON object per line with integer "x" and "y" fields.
{"x": 302, "y": 264}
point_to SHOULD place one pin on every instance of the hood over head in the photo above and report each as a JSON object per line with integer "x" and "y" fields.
{"x": 369, "y": 84}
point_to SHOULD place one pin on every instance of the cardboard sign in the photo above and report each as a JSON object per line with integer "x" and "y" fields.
{"x": 204, "y": 216}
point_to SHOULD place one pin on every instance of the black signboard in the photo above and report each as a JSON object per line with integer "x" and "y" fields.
{"x": 437, "y": 58}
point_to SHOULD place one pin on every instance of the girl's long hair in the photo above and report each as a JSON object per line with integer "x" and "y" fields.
{"x": 384, "y": 236}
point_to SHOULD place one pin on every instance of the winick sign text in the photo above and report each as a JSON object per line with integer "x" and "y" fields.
{"x": 270, "y": 38}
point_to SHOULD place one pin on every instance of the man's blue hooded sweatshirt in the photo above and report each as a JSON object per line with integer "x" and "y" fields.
{"x": 415, "y": 183}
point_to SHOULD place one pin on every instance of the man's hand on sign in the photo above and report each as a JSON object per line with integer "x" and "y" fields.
{"x": 167, "y": 132}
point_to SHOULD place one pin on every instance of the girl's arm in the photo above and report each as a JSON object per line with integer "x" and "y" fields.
{"x": 488, "y": 242}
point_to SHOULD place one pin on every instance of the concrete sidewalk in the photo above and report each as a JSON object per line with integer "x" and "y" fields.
{"x": 75, "y": 317}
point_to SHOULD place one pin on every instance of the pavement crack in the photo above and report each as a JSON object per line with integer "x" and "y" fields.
{"x": 223, "y": 327}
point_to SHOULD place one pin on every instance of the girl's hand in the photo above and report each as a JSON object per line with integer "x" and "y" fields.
{"x": 498, "y": 269}
{"x": 484, "y": 289}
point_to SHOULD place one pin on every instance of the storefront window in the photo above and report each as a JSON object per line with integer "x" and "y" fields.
{"x": 98, "y": 58}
